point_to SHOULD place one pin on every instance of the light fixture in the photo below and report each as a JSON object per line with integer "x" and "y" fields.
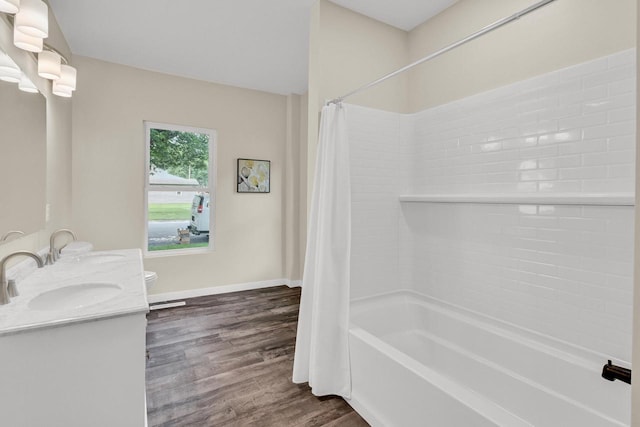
{"x": 49, "y": 65}
{"x": 9, "y": 6}
{"x": 9, "y": 71}
{"x": 26, "y": 85}
{"x": 27, "y": 42}
{"x": 67, "y": 77}
{"x": 33, "y": 18}
{"x": 63, "y": 91}
{"x": 30, "y": 27}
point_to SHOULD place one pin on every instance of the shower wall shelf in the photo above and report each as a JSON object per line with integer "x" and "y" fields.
{"x": 583, "y": 199}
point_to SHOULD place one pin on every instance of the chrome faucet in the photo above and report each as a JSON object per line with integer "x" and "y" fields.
{"x": 8, "y": 287}
{"x": 11, "y": 233}
{"x": 54, "y": 253}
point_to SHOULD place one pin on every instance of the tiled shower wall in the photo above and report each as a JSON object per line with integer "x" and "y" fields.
{"x": 572, "y": 130}
{"x": 564, "y": 271}
{"x": 374, "y": 145}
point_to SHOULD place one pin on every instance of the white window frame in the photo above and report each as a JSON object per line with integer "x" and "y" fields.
{"x": 213, "y": 167}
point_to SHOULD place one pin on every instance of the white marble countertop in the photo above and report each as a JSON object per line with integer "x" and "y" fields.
{"x": 119, "y": 267}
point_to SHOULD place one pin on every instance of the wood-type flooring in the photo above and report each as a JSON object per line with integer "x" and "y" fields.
{"x": 226, "y": 360}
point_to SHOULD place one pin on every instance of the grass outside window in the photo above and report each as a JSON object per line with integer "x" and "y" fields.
{"x": 169, "y": 211}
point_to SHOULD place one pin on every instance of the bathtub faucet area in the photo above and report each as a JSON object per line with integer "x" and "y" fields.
{"x": 8, "y": 287}
{"x": 612, "y": 372}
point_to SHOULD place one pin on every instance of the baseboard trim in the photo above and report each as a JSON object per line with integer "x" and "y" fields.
{"x": 224, "y": 289}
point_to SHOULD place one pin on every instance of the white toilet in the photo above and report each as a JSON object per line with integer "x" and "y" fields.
{"x": 150, "y": 278}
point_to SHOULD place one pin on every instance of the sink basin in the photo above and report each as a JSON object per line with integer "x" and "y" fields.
{"x": 91, "y": 259}
{"x": 75, "y": 296}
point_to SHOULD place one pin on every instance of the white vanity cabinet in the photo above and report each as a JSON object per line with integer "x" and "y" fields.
{"x": 79, "y": 368}
{"x": 83, "y": 374}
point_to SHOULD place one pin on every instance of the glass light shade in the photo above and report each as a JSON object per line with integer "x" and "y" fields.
{"x": 9, "y": 71}
{"x": 62, "y": 91}
{"x": 67, "y": 77}
{"x": 49, "y": 65}
{"x": 9, "y": 6}
{"x": 26, "y": 85}
{"x": 26, "y": 42}
{"x": 33, "y": 18}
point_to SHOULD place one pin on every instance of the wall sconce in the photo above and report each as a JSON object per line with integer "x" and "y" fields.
{"x": 9, "y": 6}
{"x": 63, "y": 91}
{"x": 26, "y": 85}
{"x": 53, "y": 66}
{"x": 66, "y": 84}
{"x": 67, "y": 77}
{"x": 9, "y": 70}
{"x": 33, "y": 18}
{"x": 30, "y": 27}
{"x": 27, "y": 42}
{"x": 49, "y": 65}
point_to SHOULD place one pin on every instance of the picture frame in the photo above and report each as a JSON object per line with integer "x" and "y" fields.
{"x": 253, "y": 176}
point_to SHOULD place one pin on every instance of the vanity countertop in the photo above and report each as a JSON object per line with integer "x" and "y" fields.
{"x": 121, "y": 268}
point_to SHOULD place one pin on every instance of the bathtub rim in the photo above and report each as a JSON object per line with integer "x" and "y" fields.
{"x": 573, "y": 353}
{"x": 484, "y": 407}
{"x": 377, "y": 341}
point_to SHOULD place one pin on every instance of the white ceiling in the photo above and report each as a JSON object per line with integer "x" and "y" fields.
{"x": 403, "y": 14}
{"x": 254, "y": 44}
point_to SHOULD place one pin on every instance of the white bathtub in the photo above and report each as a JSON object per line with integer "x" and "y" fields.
{"x": 419, "y": 362}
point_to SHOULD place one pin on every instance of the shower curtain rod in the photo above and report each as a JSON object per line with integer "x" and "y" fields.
{"x": 452, "y": 46}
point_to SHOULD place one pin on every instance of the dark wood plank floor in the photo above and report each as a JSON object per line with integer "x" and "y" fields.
{"x": 226, "y": 360}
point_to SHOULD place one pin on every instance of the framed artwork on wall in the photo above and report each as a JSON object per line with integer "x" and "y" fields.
{"x": 254, "y": 176}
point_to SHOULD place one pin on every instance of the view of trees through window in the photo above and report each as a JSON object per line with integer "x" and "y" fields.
{"x": 183, "y": 154}
{"x": 179, "y": 214}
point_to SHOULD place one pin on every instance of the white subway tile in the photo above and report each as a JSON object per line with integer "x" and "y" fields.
{"x": 539, "y": 127}
{"x": 608, "y": 158}
{"x": 560, "y": 186}
{"x": 539, "y": 175}
{"x": 626, "y": 171}
{"x": 560, "y": 162}
{"x": 610, "y": 130}
{"x": 524, "y": 142}
{"x": 627, "y": 142}
{"x": 561, "y": 270}
{"x": 585, "y": 173}
{"x": 608, "y": 76}
{"x": 585, "y": 146}
{"x": 611, "y": 103}
{"x": 594, "y": 93}
{"x": 577, "y": 122}
{"x": 559, "y": 137}
{"x": 608, "y": 186}
{"x": 624, "y": 58}
{"x": 583, "y": 224}
{"x": 540, "y": 152}
{"x": 562, "y": 111}
{"x": 622, "y": 86}
{"x": 622, "y": 114}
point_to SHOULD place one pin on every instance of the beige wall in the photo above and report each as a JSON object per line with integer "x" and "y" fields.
{"x": 353, "y": 50}
{"x": 346, "y": 51}
{"x": 294, "y": 223}
{"x": 109, "y": 108}
{"x": 558, "y": 35}
{"x": 58, "y": 144}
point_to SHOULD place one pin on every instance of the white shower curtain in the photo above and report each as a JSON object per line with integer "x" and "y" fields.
{"x": 322, "y": 347}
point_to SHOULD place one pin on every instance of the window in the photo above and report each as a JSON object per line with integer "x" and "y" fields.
{"x": 180, "y": 189}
